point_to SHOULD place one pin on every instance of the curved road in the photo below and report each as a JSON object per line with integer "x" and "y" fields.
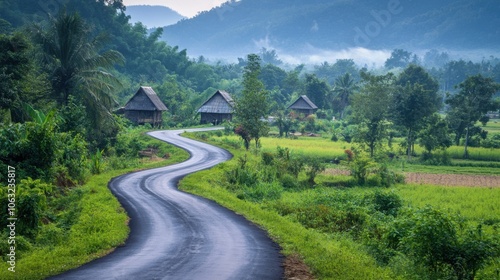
{"x": 175, "y": 235}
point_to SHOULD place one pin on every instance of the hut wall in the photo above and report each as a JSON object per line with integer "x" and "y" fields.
{"x": 214, "y": 118}
{"x": 142, "y": 117}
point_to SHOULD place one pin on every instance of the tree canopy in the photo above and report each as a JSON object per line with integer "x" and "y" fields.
{"x": 252, "y": 107}
{"x": 474, "y": 99}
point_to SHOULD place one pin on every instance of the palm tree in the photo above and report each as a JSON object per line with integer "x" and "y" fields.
{"x": 77, "y": 66}
{"x": 343, "y": 88}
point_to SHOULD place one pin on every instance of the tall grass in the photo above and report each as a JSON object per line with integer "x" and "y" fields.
{"x": 475, "y": 204}
{"x": 328, "y": 257}
{"x": 480, "y": 154}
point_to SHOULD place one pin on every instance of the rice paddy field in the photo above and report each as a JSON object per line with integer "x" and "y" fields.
{"x": 467, "y": 186}
{"x": 493, "y": 126}
{"x": 466, "y": 189}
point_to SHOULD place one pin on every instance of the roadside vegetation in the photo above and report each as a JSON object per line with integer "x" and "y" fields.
{"x": 67, "y": 225}
{"x": 350, "y": 227}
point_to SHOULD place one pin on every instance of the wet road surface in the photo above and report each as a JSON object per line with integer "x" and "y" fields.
{"x": 175, "y": 235}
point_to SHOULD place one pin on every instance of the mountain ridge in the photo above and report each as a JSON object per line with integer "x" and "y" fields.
{"x": 294, "y": 25}
{"x": 153, "y": 15}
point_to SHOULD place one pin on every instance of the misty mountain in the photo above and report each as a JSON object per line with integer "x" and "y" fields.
{"x": 244, "y": 26}
{"x": 153, "y": 16}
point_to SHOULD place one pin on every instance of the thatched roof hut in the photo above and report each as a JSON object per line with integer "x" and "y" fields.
{"x": 303, "y": 105}
{"x": 217, "y": 109}
{"x": 145, "y": 107}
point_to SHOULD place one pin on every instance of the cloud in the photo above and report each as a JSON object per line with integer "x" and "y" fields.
{"x": 361, "y": 56}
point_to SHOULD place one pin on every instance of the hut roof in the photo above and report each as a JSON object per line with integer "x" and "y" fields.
{"x": 303, "y": 103}
{"x": 145, "y": 99}
{"x": 221, "y": 102}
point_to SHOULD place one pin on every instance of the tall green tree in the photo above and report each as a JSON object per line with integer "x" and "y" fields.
{"x": 317, "y": 90}
{"x": 343, "y": 88}
{"x": 435, "y": 134}
{"x": 398, "y": 58}
{"x": 252, "y": 107}
{"x": 415, "y": 99}
{"x": 78, "y": 66}
{"x": 370, "y": 109}
{"x": 474, "y": 99}
{"x": 20, "y": 80}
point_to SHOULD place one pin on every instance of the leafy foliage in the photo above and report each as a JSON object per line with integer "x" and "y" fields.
{"x": 371, "y": 110}
{"x": 77, "y": 66}
{"x": 252, "y": 107}
{"x": 415, "y": 100}
{"x": 471, "y": 103}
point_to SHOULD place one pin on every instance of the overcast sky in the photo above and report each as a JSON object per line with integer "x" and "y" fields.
{"x": 188, "y": 8}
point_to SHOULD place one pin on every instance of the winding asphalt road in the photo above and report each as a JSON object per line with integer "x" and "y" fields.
{"x": 175, "y": 235}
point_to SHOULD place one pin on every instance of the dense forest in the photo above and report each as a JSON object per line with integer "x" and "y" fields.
{"x": 66, "y": 66}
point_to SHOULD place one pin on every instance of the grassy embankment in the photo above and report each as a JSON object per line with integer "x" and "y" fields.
{"x": 88, "y": 221}
{"x": 336, "y": 255}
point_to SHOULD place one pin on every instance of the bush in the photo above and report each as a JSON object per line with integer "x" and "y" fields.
{"x": 262, "y": 191}
{"x": 97, "y": 163}
{"x": 289, "y": 182}
{"x": 335, "y": 137}
{"x": 492, "y": 142}
{"x": 50, "y": 235}
{"x": 386, "y": 177}
{"x": 72, "y": 156}
{"x": 437, "y": 159}
{"x": 328, "y": 219}
{"x": 387, "y": 203}
{"x": 313, "y": 167}
{"x": 267, "y": 158}
{"x": 446, "y": 246}
{"x": 360, "y": 167}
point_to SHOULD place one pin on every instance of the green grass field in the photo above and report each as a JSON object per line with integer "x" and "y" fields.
{"x": 493, "y": 126}
{"x": 476, "y": 204}
{"x": 337, "y": 256}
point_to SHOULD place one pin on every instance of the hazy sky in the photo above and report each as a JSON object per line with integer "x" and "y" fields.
{"x": 188, "y": 8}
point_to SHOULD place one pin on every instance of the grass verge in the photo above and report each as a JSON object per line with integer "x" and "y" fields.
{"x": 329, "y": 257}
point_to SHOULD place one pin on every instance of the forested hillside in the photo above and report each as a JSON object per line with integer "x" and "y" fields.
{"x": 293, "y": 26}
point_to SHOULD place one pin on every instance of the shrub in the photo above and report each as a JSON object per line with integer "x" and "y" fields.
{"x": 72, "y": 155}
{"x": 387, "y": 203}
{"x": 313, "y": 167}
{"x": 328, "y": 219}
{"x": 50, "y": 235}
{"x": 228, "y": 127}
{"x": 445, "y": 247}
{"x": 31, "y": 202}
{"x": 386, "y": 177}
{"x": 438, "y": 158}
{"x": 360, "y": 167}
{"x": 267, "y": 158}
{"x": 492, "y": 142}
{"x": 289, "y": 182}
{"x": 335, "y": 137}
{"x": 262, "y": 191}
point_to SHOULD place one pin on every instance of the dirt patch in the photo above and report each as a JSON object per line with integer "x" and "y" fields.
{"x": 452, "y": 180}
{"x": 296, "y": 269}
{"x": 483, "y": 181}
{"x": 335, "y": 172}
